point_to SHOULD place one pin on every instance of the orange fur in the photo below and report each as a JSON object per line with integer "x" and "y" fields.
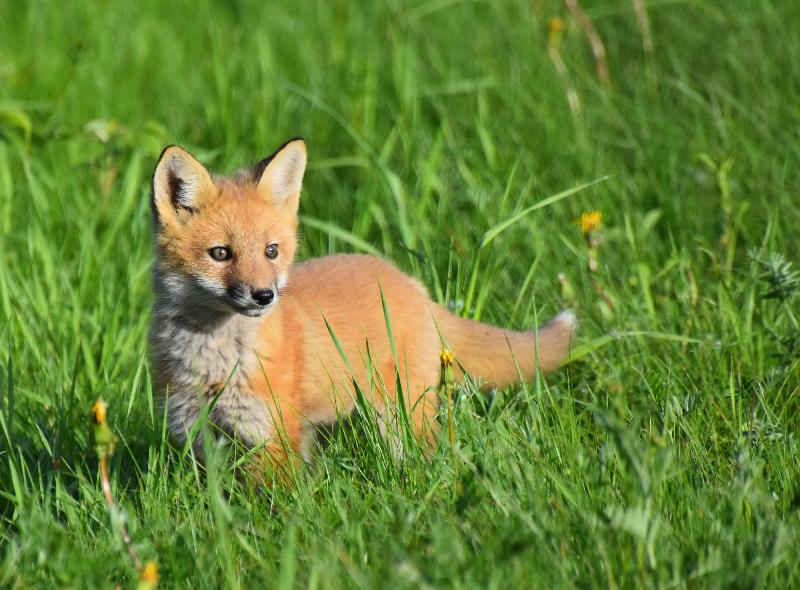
{"x": 286, "y": 355}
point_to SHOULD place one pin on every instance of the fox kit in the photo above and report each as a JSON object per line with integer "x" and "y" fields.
{"x": 238, "y": 326}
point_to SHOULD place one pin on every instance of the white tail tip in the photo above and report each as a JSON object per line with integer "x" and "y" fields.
{"x": 568, "y": 319}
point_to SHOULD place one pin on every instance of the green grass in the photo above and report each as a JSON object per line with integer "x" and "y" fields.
{"x": 668, "y": 456}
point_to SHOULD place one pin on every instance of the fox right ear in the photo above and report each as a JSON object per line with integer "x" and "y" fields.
{"x": 279, "y": 177}
{"x": 179, "y": 184}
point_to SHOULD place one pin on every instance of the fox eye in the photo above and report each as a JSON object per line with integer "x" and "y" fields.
{"x": 272, "y": 251}
{"x": 220, "y": 253}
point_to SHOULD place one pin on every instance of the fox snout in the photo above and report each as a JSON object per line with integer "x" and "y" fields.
{"x": 263, "y": 296}
{"x": 251, "y": 300}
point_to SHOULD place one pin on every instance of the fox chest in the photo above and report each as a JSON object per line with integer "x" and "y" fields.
{"x": 213, "y": 372}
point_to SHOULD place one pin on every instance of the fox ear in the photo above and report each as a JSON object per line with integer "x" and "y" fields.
{"x": 280, "y": 176}
{"x": 179, "y": 183}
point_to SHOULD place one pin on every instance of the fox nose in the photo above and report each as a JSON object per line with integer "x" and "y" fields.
{"x": 263, "y": 296}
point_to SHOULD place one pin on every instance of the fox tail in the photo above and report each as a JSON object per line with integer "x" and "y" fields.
{"x": 500, "y": 357}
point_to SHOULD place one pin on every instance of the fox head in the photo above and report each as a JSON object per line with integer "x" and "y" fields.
{"x": 226, "y": 244}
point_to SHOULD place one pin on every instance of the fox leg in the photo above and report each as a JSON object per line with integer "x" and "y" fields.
{"x": 421, "y": 403}
{"x": 279, "y": 460}
{"x": 425, "y": 426}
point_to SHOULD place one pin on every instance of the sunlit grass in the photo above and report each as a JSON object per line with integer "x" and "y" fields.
{"x": 440, "y": 136}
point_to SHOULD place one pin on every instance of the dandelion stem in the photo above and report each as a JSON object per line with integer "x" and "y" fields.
{"x": 555, "y": 30}
{"x": 105, "y": 441}
{"x": 596, "y": 42}
{"x": 105, "y": 482}
{"x": 126, "y": 537}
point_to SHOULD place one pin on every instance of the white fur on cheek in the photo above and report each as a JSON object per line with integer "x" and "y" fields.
{"x": 183, "y": 290}
{"x": 282, "y": 281}
{"x": 210, "y": 285}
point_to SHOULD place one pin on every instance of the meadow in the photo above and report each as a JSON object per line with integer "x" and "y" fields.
{"x": 446, "y": 136}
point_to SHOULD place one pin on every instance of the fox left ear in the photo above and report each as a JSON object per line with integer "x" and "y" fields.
{"x": 179, "y": 184}
{"x": 279, "y": 177}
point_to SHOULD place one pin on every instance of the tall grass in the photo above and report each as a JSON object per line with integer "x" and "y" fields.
{"x": 666, "y": 456}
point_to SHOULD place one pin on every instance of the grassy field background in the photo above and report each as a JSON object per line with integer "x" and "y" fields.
{"x": 668, "y": 456}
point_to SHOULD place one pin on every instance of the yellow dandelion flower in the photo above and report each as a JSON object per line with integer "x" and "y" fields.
{"x": 148, "y": 578}
{"x": 555, "y": 25}
{"x": 99, "y": 411}
{"x": 446, "y": 357}
{"x": 589, "y": 221}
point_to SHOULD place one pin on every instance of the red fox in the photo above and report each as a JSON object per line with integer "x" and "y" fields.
{"x": 236, "y": 321}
